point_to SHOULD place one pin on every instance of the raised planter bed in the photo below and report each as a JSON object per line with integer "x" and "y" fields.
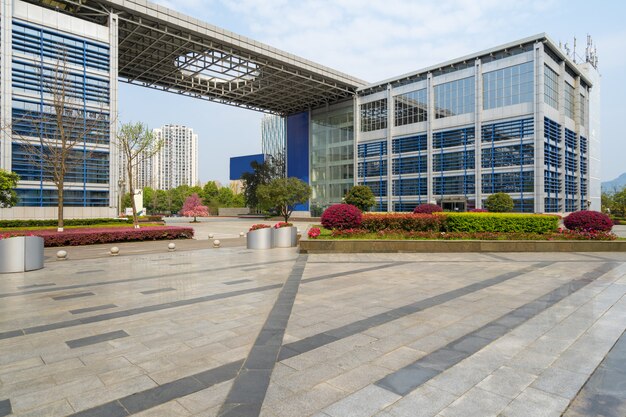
{"x": 285, "y": 237}
{"x": 260, "y": 239}
{"x": 21, "y": 254}
{"x": 425, "y": 246}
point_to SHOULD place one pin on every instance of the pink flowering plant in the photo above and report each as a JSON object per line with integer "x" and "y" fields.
{"x": 282, "y": 224}
{"x": 259, "y": 227}
{"x": 193, "y": 208}
{"x": 314, "y": 232}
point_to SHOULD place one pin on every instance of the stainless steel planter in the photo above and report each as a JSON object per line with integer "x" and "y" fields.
{"x": 20, "y": 254}
{"x": 285, "y": 237}
{"x": 260, "y": 239}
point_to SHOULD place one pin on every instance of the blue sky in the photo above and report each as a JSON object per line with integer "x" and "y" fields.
{"x": 375, "y": 40}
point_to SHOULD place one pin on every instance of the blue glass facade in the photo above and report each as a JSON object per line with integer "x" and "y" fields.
{"x": 44, "y": 61}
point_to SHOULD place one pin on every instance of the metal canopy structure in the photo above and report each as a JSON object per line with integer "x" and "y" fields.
{"x": 166, "y": 50}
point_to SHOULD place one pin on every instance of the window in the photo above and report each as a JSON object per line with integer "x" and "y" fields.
{"x": 453, "y": 161}
{"x": 374, "y": 115}
{"x": 508, "y": 182}
{"x": 409, "y": 144}
{"x": 372, "y": 168}
{"x": 506, "y": 156}
{"x": 551, "y": 87}
{"x": 411, "y": 108}
{"x": 409, "y": 165}
{"x": 410, "y": 186}
{"x": 515, "y": 129}
{"x": 455, "y": 97}
{"x": 569, "y": 101}
{"x": 456, "y": 185}
{"x": 508, "y": 86}
{"x": 457, "y": 137}
{"x": 365, "y": 150}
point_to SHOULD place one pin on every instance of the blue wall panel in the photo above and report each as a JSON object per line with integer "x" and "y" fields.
{"x": 298, "y": 150}
{"x": 241, "y": 164}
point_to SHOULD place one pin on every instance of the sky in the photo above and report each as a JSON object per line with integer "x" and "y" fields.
{"x": 376, "y": 40}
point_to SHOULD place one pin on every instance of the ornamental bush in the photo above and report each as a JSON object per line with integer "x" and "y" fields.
{"x": 588, "y": 221}
{"x": 341, "y": 216}
{"x": 87, "y": 236}
{"x": 403, "y": 221}
{"x": 427, "y": 209}
{"x": 501, "y": 222}
{"x": 499, "y": 203}
{"x": 360, "y": 196}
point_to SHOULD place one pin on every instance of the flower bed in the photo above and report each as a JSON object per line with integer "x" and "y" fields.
{"x": 91, "y": 236}
{"x": 403, "y": 221}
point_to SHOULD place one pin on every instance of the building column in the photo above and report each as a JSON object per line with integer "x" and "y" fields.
{"x": 6, "y": 106}
{"x": 562, "y": 170}
{"x": 430, "y": 97}
{"x": 390, "y": 121}
{"x": 478, "y": 118}
{"x": 539, "y": 129}
{"x": 357, "y": 135}
{"x": 114, "y": 161}
{"x": 577, "y": 104}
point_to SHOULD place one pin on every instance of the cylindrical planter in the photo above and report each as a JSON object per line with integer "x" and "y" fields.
{"x": 260, "y": 239}
{"x": 285, "y": 237}
{"x": 20, "y": 254}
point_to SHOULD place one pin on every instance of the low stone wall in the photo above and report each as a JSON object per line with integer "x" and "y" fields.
{"x": 232, "y": 211}
{"x": 425, "y": 246}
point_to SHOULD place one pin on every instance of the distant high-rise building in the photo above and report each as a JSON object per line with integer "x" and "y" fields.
{"x": 175, "y": 164}
{"x": 273, "y": 138}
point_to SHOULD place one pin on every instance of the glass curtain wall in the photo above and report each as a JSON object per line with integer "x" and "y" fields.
{"x": 332, "y": 156}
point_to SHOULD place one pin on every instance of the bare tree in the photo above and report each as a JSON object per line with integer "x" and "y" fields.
{"x": 59, "y": 135}
{"x": 136, "y": 143}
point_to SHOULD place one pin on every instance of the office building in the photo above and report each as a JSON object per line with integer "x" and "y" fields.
{"x": 76, "y": 56}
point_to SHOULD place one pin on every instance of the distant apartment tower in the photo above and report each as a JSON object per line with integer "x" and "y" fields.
{"x": 176, "y": 163}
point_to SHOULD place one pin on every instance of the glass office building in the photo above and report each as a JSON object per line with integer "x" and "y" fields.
{"x": 47, "y": 52}
{"x": 513, "y": 119}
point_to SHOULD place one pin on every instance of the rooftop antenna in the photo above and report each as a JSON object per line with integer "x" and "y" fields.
{"x": 574, "y": 52}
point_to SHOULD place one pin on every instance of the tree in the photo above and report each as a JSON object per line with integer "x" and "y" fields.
{"x": 59, "y": 135}
{"x": 209, "y": 192}
{"x": 499, "y": 203}
{"x": 262, "y": 173}
{"x": 225, "y": 197}
{"x": 136, "y": 143}
{"x": 360, "y": 196}
{"x": 8, "y": 182}
{"x": 283, "y": 194}
{"x": 193, "y": 208}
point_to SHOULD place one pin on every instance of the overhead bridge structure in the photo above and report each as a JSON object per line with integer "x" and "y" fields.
{"x": 169, "y": 51}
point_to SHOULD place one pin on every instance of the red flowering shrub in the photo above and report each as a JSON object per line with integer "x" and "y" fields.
{"x": 282, "y": 224}
{"x": 341, "y": 216}
{"x": 314, "y": 232}
{"x": 589, "y": 221}
{"x": 91, "y": 236}
{"x": 427, "y": 209}
{"x": 477, "y": 210}
{"x": 349, "y": 232}
{"x": 403, "y": 221}
{"x": 258, "y": 226}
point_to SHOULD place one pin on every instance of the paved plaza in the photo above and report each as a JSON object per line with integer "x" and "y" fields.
{"x": 234, "y": 332}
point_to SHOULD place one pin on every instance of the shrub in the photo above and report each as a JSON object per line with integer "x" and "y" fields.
{"x": 86, "y": 236}
{"x": 282, "y": 224}
{"x": 258, "y": 226}
{"x": 499, "y": 203}
{"x": 403, "y": 221}
{"x": 314, "y": 232}
{"x": 341, "y": 216}
{"x": 589, "y": 221}
{"x": 501, "y": 222}
{"x": 360, "y": 196}
{"x": 68, "y": 222}
{"x": 477, "y": 210}
{"x": 427, "y": 209}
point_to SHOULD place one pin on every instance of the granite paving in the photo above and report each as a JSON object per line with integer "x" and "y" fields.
{"x": 236, "y": 332}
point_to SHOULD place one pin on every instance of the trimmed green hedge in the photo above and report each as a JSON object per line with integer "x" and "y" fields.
{"x": 501, "y": 222}
{"x": 68, "y": 222}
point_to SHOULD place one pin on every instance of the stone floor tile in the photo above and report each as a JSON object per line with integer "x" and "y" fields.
{"x": 536, "y": 403}
{"x": 560, "y": 382}
{"x": 476, "y": 402}
{"x": 426, "y": 401}
{"x": 363, "y": 403}
{"x": 507, "y": 382}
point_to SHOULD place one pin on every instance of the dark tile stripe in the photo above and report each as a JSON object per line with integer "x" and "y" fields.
{"x": 25, "y": 287}
{"x": 157, "y": 307}
{"x": 5, "y": 408}
{"x": 604, "y": 393}
{"x": 158, "y": 290}
{"x": 415, "y": 374}
{"x": 70, "y": 296}
{"x": 98, "y": 338}
{"x": 223, "y": 373}
{"x": 329, "y": 336}
{"x": 90, "y": 309}
{"x": 247, "y": 393}
{"x": 238, "y": 281}
{"x": 125, "y": 280}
